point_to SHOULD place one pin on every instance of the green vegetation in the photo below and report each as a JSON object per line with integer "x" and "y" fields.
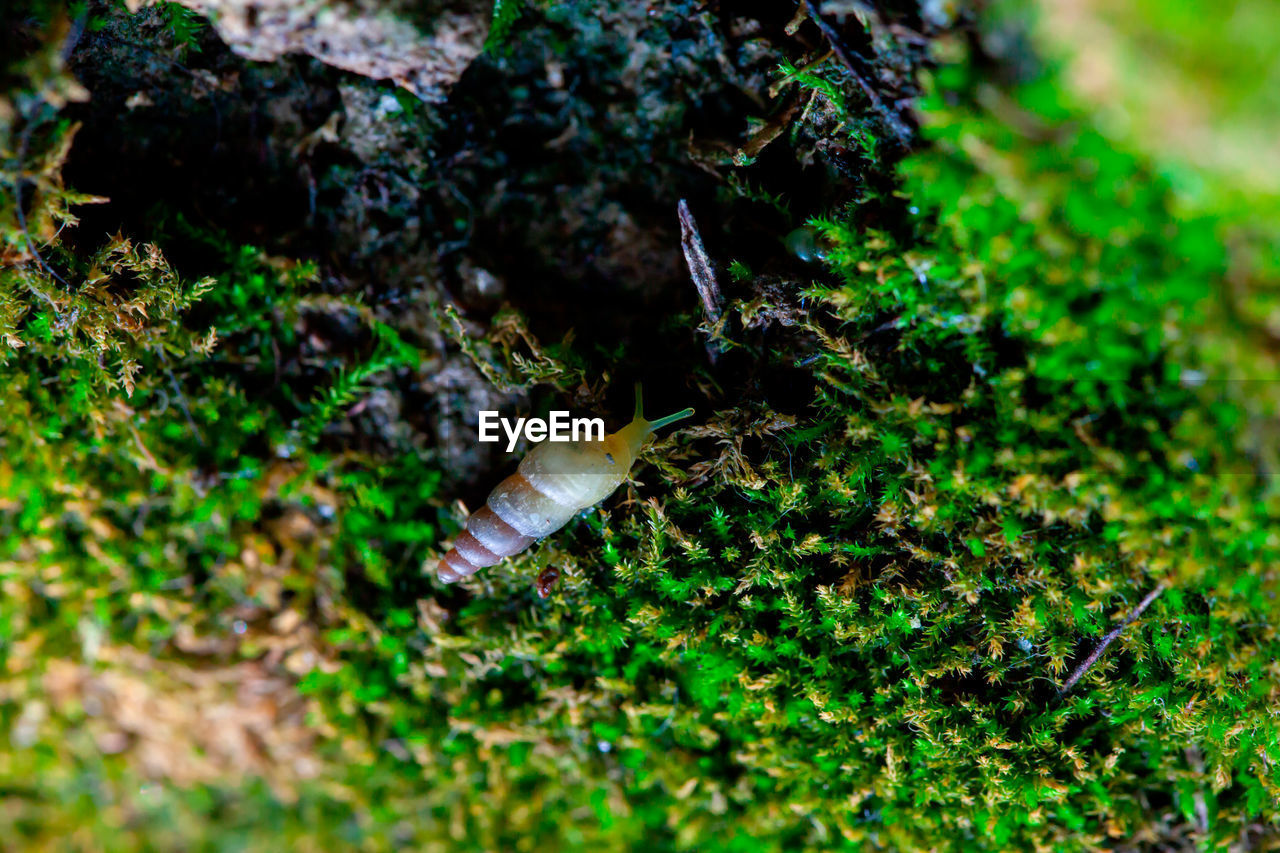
{"x": 839, "y": 612}
{"x": 1188, "y": 81}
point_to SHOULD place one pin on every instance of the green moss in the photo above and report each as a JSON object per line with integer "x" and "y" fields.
{"x": 162, "y": 489}
{"x": 855, "y": 632}
{"x": 506, "y": 15}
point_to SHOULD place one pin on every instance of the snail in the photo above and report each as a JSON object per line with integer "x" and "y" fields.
{"x": 554, "y": 482}
{"x": 547, "y": 580}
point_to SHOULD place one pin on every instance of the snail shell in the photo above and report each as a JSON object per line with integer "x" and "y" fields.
{"x": 553, "y": 483}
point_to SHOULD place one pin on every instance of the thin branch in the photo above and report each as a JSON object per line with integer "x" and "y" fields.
{"x": 808, "y": 66}
{"x": 182, "y": 401}
{"x": 24, "y": 142}
{"x": 1106, "y": 641}
{"x": 703, "y": 274}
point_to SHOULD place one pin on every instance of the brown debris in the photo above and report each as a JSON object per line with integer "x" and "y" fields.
{"x": 187, "y": 725}
{"x": 547, "y": 580}
{"x": 768, "y": 131}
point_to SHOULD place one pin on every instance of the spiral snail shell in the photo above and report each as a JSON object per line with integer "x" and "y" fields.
{"x": 554, "y": 482}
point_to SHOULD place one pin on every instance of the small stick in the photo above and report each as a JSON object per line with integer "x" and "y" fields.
{"x": 1106, "y": 641}
{"x": 68, "y": 46}
{"x": 704, "y": 275}
{"x": 23, "y": 141}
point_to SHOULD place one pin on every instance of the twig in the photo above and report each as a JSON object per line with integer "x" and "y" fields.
{"x": 35, "y": 118}
{"x": 704, "y": 276}
{"x": 23, "y": 142}
{"x": 842, "y": 53}
{"x": 808, "y": 66}
{"x": 1106, "y": 641}
{"x": 182, "y": 403}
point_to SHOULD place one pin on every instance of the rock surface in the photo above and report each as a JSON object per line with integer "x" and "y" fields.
{"x": 378, "y": 40}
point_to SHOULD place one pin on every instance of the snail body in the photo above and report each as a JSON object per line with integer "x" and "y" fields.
{"x": 553, "y": 483}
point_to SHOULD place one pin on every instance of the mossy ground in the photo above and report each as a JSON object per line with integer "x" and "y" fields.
{"x": 929, "y": 473}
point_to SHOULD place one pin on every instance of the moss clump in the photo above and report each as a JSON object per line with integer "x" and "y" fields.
{"x": 852, "y": 624}
{"x": 169, "y": 505}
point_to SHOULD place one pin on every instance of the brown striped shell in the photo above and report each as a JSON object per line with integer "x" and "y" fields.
{"x": 554, "y": 482}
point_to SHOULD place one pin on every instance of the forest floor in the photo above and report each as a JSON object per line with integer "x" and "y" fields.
{"x": 982, "y": 331}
